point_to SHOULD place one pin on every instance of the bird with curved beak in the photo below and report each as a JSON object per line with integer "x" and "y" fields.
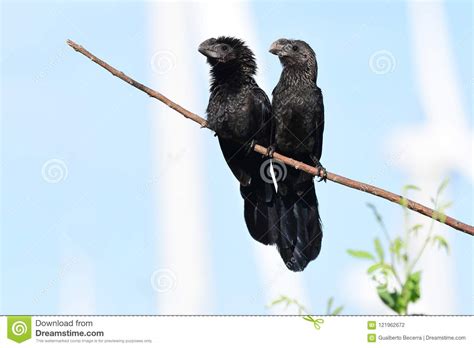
{"x": 240, "y": 114}
{"x": 298, "y": 111}
{"x": 215, "y": 50}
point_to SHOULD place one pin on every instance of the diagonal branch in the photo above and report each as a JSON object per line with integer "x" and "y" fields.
{"x": 419, "y": 208}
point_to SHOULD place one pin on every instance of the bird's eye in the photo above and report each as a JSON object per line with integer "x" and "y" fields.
{"x": 225, "y": 48}
{"x": 295, "y": 48}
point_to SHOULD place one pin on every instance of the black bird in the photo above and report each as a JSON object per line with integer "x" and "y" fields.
{"x": 298, "y": 111}
{"x": 239, "y": 112}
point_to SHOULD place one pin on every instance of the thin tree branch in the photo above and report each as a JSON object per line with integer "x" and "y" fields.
{"x": 419, "y": 208}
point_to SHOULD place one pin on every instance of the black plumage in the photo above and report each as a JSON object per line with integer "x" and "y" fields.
{"x": 240, "y": 114}
{"x": 298, "y": 111}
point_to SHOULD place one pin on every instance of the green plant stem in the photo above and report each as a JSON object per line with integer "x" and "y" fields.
{"x": 422, "y": 249}
{"x": 397, "y": 277}
{"x": 425, "y": 244}
{"x": 406, "y": 241}
{"x": 392, "y": 261}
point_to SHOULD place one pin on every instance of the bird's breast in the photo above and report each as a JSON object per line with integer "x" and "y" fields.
{"x": 229, "y": 117}
{"x": 293, "y": 128}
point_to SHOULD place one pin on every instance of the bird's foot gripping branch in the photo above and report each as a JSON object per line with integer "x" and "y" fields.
{"x": 376, "y": 191}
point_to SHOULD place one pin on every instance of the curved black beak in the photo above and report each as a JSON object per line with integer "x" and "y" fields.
{"x": 207, "y": 48}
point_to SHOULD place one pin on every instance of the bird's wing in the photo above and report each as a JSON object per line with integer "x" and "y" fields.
{"x": 260, "y": 211}
{"x": 262, "y": 114}
{"x": 319, "y": 125}
{"x": 235, "y": 155}
{"x": 244, "y": 163}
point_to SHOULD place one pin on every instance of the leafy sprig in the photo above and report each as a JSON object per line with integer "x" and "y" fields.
{"x": 317, "y": 322}
{"x": 397, "y": 282}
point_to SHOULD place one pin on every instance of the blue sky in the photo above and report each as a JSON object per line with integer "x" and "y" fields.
{"x": 97, "y": 227}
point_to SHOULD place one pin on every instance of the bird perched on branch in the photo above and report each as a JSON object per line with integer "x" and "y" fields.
{"x": 239, "y": 112}
{"x": 298, "y": 111}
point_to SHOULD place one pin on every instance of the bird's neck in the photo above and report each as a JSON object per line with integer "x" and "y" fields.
{"x": 294, "y": 75}
{"x": 231, "y": 74}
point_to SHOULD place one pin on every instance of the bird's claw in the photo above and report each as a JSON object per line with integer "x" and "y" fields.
{"x": 270, "y": 151}
{"x": 323, "y": 174}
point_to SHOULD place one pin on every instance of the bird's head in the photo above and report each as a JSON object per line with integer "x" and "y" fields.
{"x": 293, "y": 53}
{"x": 228, "y": 51}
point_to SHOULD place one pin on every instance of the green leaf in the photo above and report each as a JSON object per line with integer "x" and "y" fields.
{"x": 445, "y": 206}
{"x": 386, "y": 269}
{"x": 416, "y": 228}
{"x": 337, "y": 310}
{"x": 360, "y": 254}
{"x": 377, "y": 215}
{"x": 379, "y": 249}
{"x": 397, "y": 246}
{"x": 442, "y": 218}
{"x": 383, "y": 266}
{"x": 374, "y": 267}
{"x": 442, "y": 243}
{"x": 278, "y": 300}
{"x": 404, "y": 202}
{"x": 405, "y": 257}
{"x": 393, "y": 300}
{"x": 410, "y": 291}
{"x": 386, "y": 297}
{"x": 406, "y": 188}
{"x": 438, "y": 216}
{"x": 329, "y": 305}
{"x": 443, "y": 186}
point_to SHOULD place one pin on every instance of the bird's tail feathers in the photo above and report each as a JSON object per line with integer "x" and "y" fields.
{"x": 301, "y": 234}
{"x": 261, "y": 212}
